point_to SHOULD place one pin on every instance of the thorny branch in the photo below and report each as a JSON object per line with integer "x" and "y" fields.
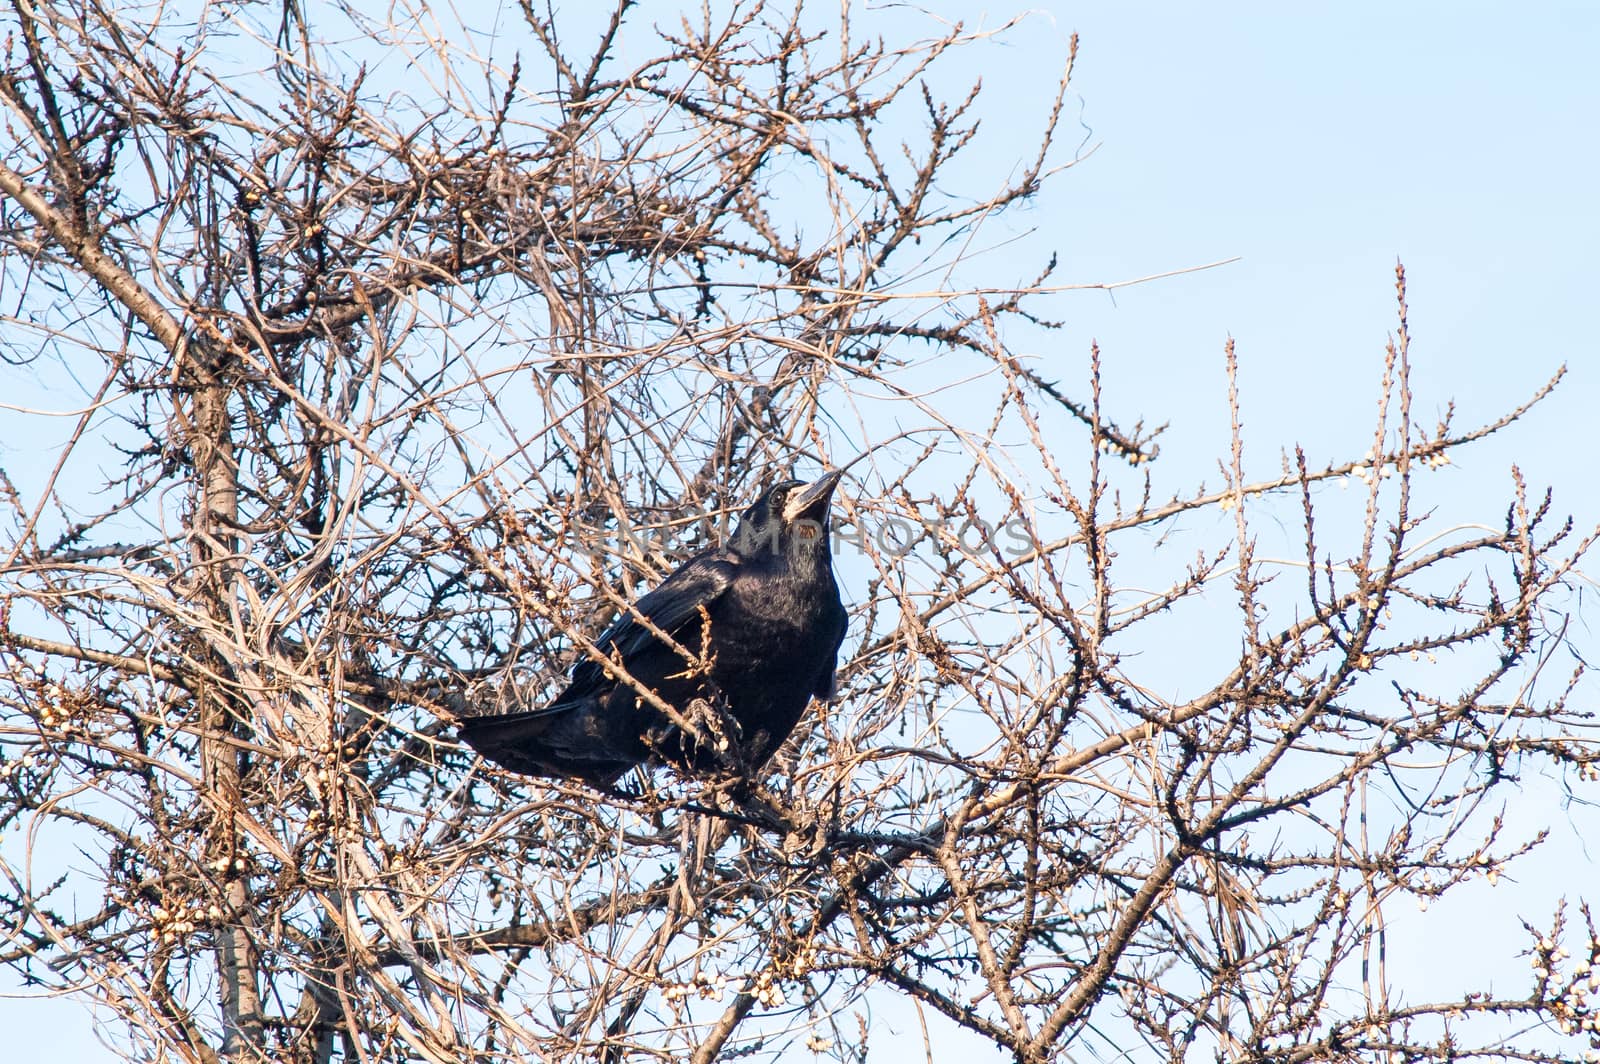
{"x": 395, "y": 388}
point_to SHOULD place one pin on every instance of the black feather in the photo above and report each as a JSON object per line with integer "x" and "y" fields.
{"x": 757, "y": 624}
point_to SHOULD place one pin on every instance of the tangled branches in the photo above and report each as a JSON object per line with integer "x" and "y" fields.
{"x": 405, "y": 363}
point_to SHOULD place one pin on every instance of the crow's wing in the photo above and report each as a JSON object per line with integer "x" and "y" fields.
{"x": 571, "y": 736}
{"x": 671, "y": 607}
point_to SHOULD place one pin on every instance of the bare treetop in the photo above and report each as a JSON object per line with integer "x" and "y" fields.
{"x": 398, "y": 356}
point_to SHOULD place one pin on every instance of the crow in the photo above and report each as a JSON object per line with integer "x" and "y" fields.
{"x": 757, "y": 625}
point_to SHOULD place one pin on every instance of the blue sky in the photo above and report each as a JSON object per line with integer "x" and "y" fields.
{"x": 1317, "y": 145}
{"x": 1320, "y": 146}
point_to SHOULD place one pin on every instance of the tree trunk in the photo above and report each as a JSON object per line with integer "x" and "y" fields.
{"x": 215, "y": 546}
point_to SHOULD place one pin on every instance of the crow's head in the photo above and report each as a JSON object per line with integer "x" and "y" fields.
{"x": 790, "y": 518}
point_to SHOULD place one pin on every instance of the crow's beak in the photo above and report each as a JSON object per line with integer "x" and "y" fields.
{"x": 811, "y": 501}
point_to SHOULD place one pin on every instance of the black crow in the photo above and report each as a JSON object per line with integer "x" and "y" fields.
{"x": 757, "y": 625}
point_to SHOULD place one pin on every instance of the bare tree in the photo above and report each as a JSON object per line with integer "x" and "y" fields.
{"x": 401, "y": 355}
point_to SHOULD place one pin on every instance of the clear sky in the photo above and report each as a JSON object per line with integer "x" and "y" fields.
{"x": 1317, "y": 144}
